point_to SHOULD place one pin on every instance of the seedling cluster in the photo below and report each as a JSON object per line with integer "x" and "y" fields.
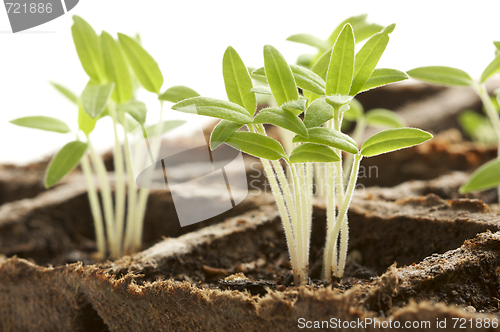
{"x": 314, "y": 118}
{"x": 116, "y": 69}
{"x": 488, "y": 175}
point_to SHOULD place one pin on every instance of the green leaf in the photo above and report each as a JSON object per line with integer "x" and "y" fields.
{"x": 355, "y": 111}
{"x": 136, "y": 109}
{"x": 341, "y": 67}
{"x": 64, "y": 162}
{"x": 393, "y": 139}
{"x": 165, "y": 127}
{"x": 306, "y": 60}
{"x": 310, "y": 40}
{"x": 380, "y": 117}
{"x": 85, "y": 122}
{"x": 296, "y": 106}
{"x": 368, "y": 57}
{"x": 256, "y": 145}
{"x": 320, "y": 67}
{"x": 144, "y": 66}
{"x": 66, "y": 92}
{"x": 497, "y": 45}
{"x": 491, "y": 69}
{"x": 214, "y": 108}
{"x": 221, "y": 132}
{"x": 178, "y": 93}
{"x": 95, "y": 98}
{"x": 282, "y": 118}
{"x": 262, "y": 89}
{"x": 447, "y": 76}
{"x": 237, "y": 81}
{"x": 313, "y": 153}
{"x": 329, "y": 137}
{"x": 318, "y": 113}
{"x": 117, "y": 70}
{"x": 484, "y": 178}
{"x": 130, "y": 124}
{"x": 308, "y": 80}
{"x": 42, "y": 122}
{"x": 258, "y": 74}
{"x": 477, "y": 127}
{"x": 384, "y": 76}
{"x": 338, "y": 101}
{"x": 305, "y": 78}
{"x": 362, "y": 32}
{"x": 279, "y": 76}
{"x": 88, "y": 48}
{"x": 361, "y": 28}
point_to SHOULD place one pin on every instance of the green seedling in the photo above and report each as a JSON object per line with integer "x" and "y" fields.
{"x": 116, "y": 68}
{"x": 316, "y": 137}
{"x": 448, "y": 76}
{"x": 361, "y": 28}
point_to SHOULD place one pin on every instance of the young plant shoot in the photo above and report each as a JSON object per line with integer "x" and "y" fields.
{"x": 115, "y": 70}
{"x": 448, "y": 76}
{"x": 335, "y": 79}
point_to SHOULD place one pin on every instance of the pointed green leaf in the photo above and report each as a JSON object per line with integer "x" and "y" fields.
{"x": 177, "y": 93}
{"x": 447, "y": 76}
{"x": 136, "y": 109}
{"x": 484, "y": 178}
{"x": 305, "y": 78}
{"x": 380, "y": 117}
{"x": 95, "y": 98}
{"x": 310, "y": 40}
{"x": 259, "y": 75}
{"x": 214, "y": 108}
{"x": 238, "y": 81}
{"x": 355, "y": 111}
{"x": 393, "y": 139}
{"x": 88, "y": 48}
{"x": 64, "y": 162}
{"x": 313, "y": 153}
{"x": 130, "y": 124}
{"x": 221, "y": 132}
{"x": 282, "y": 118}
{"x": 117, "y": 70}
{"x": 341, "y": 67}
{"x": 497, "y": 44}
{"x": 308, "y": 80}
{"x": 329, "y": 137}
{"x": 368, "y": 57}
{"x": 491, "y": 69}
{"x": 318, "y": 113}
{"x": 85, "y": 122}
{"x": 256, "y": 145}
{"x": 384, "y": 76}
{"x": 66, "y": 92}
{"x": 320, "y": 67}
{"x": 165, "y": 127}
{"x": 43, "y": 123}
{"x": 262, "y": 90}
{"x": 279, "y": 76}
{"x": 296, "y": 106}
{"x": 362, "y": 29}
{"x": 145, "y": 67}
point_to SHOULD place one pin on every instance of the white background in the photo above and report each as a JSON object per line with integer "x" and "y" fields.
{"x": 188, "y": 39}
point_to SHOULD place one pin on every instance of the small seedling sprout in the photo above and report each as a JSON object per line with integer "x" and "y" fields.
{"x": 448, "y": 76}
{"x": 334, "y": 80}
{"x": 116, "y": 69}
